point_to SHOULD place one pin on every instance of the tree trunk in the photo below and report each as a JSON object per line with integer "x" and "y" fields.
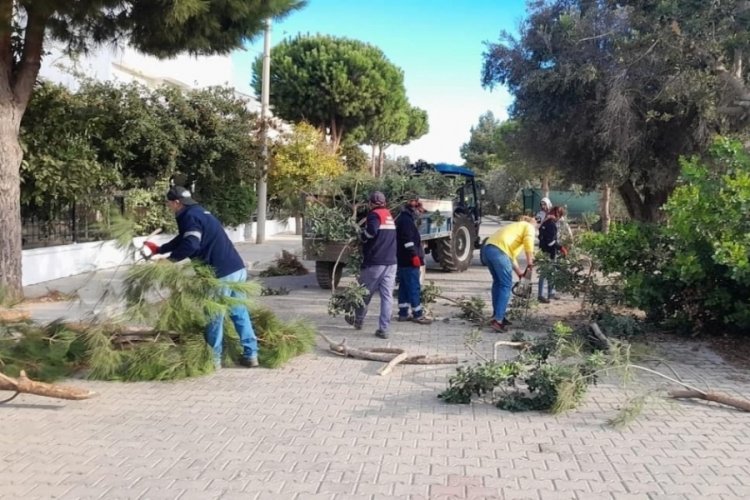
{"x": 545, "y": 185}
{"x": 646, "y": 207}
{"x": 298, "y": 224}
{"x": 605, "y": 201}
{"x": 381, "y": 160}
{"x": 10, "y": 200}
{"x": 373, "y": 161}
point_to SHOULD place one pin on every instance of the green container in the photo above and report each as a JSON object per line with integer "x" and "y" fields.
{"x": 575, "y": 204}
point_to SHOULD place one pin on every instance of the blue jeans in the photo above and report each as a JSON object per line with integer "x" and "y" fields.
{"x": 380, "y": 279}
{"x": 241, "y": 319}
{"x": 408, "y": 292}
{"x": 550, "y": 286}
{"x": 501, "y": 269}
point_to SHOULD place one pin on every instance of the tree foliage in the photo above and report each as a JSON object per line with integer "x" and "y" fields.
{"x": 153, "y": 27}
{"x": 337, "y": 84}
{"x": 482, "y": 152}
{"x": 618, "y": 91}
{"x": 399, "y": 123}
{"x": 300, "y": 159}
{"x": 105, "y": 137}
{"x": 694, "y": 271}
{"x": 62, "y": 161}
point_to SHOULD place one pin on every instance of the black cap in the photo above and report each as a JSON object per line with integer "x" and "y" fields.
{"x": 378, "y": 199}
{"x": 179, "y": 193}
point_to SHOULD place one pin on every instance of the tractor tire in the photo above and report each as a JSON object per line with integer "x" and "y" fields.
{"x": 456, "y": 253}
{"x": 324, "y": 274}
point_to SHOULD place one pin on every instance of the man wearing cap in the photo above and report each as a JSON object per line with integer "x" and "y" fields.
{"x": 378, "y": 270}
{"x": 201, "y": 236}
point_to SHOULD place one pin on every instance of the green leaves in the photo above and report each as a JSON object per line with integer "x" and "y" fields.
{"x": 694, "y": 270}
{"x": 616, "y": 92}
{"x": 107, "y": 137}
{"x": 337, "y": 84}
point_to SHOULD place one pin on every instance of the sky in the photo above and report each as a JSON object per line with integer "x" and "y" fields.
{"x": 437, "y": 43}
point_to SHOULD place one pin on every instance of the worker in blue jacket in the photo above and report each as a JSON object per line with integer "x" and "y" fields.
{"x": 378, "y": 270}
{"x": 410, "y": 259}
{"x": 201, "y": 236}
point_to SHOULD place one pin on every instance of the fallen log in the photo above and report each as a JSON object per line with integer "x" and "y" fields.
{"x": 602, "y": 339}
{"x": 24, "y": 385}
{"x": 387, "y": 355}
{"x": 387, "y": 368}
{"x": 715, "y": 397}
{"x": 14, "y": 315}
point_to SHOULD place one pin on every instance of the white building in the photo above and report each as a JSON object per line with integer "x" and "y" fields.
{"x": 127, "y": 65}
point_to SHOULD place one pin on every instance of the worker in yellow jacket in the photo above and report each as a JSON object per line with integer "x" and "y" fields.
{"x": 500, "y": 252}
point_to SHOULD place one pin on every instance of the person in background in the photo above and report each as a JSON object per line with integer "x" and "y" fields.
{"x": 500, "y": 252}
{"x": 544, "y": 207}
{"x": 201, "y": 236}
{"x": 378, "y": 270}
{"x": 550, "y": 246}
{"x": 410, "y": 258}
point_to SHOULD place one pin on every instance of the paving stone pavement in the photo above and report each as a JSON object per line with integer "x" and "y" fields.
{"x": 328, "y": 427}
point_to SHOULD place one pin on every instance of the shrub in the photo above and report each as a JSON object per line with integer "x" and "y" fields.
{"x": 693, "y": 271}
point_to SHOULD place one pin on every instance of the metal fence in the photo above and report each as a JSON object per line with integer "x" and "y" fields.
{"x": 64, "y": 223}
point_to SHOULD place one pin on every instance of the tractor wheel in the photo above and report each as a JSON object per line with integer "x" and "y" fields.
{"x": 324, "y": 274}
{"x": 455, "y": 253}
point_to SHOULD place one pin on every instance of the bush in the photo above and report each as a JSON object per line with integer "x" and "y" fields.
{"x": 693, "y": 272}
{"x": 232, "y": 204}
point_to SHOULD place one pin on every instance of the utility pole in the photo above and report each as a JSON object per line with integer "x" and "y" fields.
{"x": 260, "y": 236}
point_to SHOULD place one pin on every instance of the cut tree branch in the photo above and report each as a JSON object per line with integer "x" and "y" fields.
{"x": 689, "y": 391}
{"x": 391, "y": 355}
{"x": 716, "y": 397}
{"x": 24, "y": 385}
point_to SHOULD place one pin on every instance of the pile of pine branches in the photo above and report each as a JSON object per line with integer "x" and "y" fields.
{"x": 159, "y": 337}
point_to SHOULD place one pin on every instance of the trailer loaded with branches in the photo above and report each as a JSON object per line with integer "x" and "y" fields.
{"x": 449, "y": 227}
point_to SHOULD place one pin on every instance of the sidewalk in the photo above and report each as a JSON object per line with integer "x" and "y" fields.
{"x": 328, "y": 427}
{"x": 98, "y": 292}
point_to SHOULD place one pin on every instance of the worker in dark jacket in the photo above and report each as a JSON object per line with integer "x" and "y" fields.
{"x": 410, "y": 257}
{"x": 201, "y": 236}
{"x": 550, "y": 245}
{"x": 378, "y": 270}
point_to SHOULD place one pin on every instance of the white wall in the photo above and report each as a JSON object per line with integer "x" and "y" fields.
{"x": 50, "y": 263}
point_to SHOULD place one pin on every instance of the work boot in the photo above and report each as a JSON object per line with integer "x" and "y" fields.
{"x": 497, "y": 326}
{"x": 422, "y": 320}
{"x": 404, "y": 318}
{"x": 506, "y": 322}
{"x": 350, "y": 318}
{"x": 249, "y": 362}
{"x": 381, "y": 334}
{"x": 543, "y": 300}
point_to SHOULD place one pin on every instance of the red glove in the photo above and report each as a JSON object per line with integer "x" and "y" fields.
{"x": 564, "y": 251}
{"x": 151, "y": 246}
{"x": 416, "y": 261}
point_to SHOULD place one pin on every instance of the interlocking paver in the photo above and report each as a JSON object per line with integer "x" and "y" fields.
{"x": 328, "y": 427}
